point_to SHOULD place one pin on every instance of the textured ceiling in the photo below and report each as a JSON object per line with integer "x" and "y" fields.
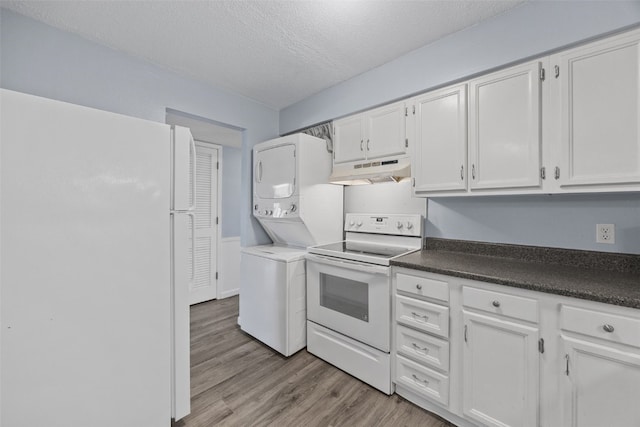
{"x": 275, "y": 52}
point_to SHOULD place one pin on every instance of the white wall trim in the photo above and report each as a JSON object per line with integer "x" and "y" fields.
{"x": 229, "y": 256}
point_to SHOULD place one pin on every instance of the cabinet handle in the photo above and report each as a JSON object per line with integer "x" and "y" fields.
{"x": 557, "y": 173}
{"x": 557, "y": 71}
{"x": 419, "y": 315}
{"x": 496, "y": 303}
{"x": 419, "y": 286}
{"x": 361, "y": 142}
{"x": 608, "y": 328}
{"x": 415, "y": 377}
{"x": 566, "y": 371}
{"x": 417, "y": 347}
{"x": 367, "y": 145}
{"x": 473, "y": 171}
{"x": 462, "y": 172}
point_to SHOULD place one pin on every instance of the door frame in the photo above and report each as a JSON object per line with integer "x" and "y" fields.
{"x": 218, "y": 148}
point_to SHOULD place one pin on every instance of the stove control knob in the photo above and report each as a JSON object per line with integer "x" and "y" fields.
{"x": 409, "y": 226}
{"x": 351, "y": 223}
{"x": 399, "y": 225}
{"x": 293, "y": 207}
{"x": 359, "y": 223}
{"x": 255, "y": 207}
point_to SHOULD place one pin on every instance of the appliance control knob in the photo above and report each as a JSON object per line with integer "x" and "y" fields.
{"x": 270, "y": 212}
{"x": 293, "y": 207}
{"x": 409, "y": 225}
{"x": 352, "y": 223}
{"x": 255, "y": 207}
{"x": 399, "y": 225}
{"x": 359, "y": 223}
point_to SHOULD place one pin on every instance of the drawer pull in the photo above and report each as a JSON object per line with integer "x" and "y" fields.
{"x": 415, "y": 377}
{"x": 496, "y": 303}
{"x": 417, "y": 347}
{"x": 419, "y": 315}
{"x": 608, "y": 328}
{"x": 418, "y": 286}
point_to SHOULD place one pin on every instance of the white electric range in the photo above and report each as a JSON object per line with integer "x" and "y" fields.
{"x": 349, "y": 294}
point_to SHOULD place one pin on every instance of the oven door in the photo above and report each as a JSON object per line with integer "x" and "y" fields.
{"x": 351, "y": 298}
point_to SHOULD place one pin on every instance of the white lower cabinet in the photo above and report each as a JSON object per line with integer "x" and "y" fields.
{"x": 503, "y": 356}
{"x": 600, "y": 380}
{"x": 500, "y": 371}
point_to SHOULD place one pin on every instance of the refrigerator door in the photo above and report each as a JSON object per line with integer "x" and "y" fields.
{"x": 85, "y": 267}
{"x": 182, "y": 275}
{"x": 183, "y": 170}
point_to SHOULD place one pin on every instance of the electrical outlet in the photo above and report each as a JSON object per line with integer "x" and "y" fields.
{"x": 606, "y": 233}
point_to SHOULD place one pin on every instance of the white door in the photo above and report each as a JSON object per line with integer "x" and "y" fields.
{"x": 500, "y": 373}
{"x": 505, "y": 128}
{"x": 441, "y": 140}
{"x": 349, "y": 141}
{"x": 599, "y": 95}
{"x": 600, "y": 385}
{"x": 385, "y": 131}
{"x": 204, "y": 285}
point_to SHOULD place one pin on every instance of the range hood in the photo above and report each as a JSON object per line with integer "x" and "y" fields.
{"x": 371, "y": 172}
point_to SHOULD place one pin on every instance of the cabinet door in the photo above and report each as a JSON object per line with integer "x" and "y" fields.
{"x": 440, "y": 150}
{"x": 500, "y": 372}
{"x": 600, "y": 385}
{"x": 599, "y": 90}
{"x": 505, "y": 128}
{"x": 349, "y": 144}
{"x": 385, "y": 131}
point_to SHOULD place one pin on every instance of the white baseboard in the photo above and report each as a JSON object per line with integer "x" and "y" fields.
{"x": 229, "y": 279}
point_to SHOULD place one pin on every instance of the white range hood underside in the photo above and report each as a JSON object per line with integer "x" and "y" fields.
{"x": 371, "y": 172}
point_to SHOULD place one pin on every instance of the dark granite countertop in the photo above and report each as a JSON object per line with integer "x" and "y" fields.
{"x": 596, "y": 276}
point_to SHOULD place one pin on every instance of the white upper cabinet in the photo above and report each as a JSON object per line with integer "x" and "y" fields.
{"x": 440, "y": 148}
{"x": 505, "y": 128}
{"x": 596, "y": 91}
{"x": 385, "y": 131}
{"x": 348, "y": 139}
{"x": 374, "y": 134}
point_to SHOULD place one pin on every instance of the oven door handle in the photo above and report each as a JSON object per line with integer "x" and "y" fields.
{"x": 351, "y": 265}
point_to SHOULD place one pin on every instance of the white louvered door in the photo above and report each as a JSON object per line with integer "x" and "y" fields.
{"x": 204, "y": 284}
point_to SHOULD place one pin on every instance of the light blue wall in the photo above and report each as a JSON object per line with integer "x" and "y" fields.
{"x": 530, "y": 30}
{"x": 231, "y": 191}
{"x": 41, "y": 60}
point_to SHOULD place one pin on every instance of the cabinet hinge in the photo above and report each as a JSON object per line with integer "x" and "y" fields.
{"x": 406, "y": 143}
{"x": 543, "y": 172}
{"x": 541, "y": 345}
{"x": 217, "y": 219}
{"x": 542, "y": 74}
{"x": 216, "y": 275}
{"x": 406, "y": 111}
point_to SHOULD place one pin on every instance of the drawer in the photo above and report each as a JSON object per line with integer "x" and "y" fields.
{"x": 504, "y": 304}
{"x": 423, "y": 348}
{"x": 423, "y": 286}
{"x": 423, "y": 381}
{"x": 606, "y": 326}
{"x": 428, "y": 317}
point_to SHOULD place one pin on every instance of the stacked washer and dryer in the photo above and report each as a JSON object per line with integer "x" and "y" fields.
{"x": 298, "y": 208}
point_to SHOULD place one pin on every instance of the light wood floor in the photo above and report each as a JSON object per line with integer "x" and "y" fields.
{"x": 238, "y": 381}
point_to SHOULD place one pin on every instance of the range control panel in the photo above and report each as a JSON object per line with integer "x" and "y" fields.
{"x": 396, "y": 224}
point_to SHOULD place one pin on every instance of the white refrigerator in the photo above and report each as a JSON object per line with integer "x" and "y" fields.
{"x": 95, "y": 208}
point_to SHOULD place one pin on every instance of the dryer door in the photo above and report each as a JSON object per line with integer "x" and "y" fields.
{"x": 274, "y": 172}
